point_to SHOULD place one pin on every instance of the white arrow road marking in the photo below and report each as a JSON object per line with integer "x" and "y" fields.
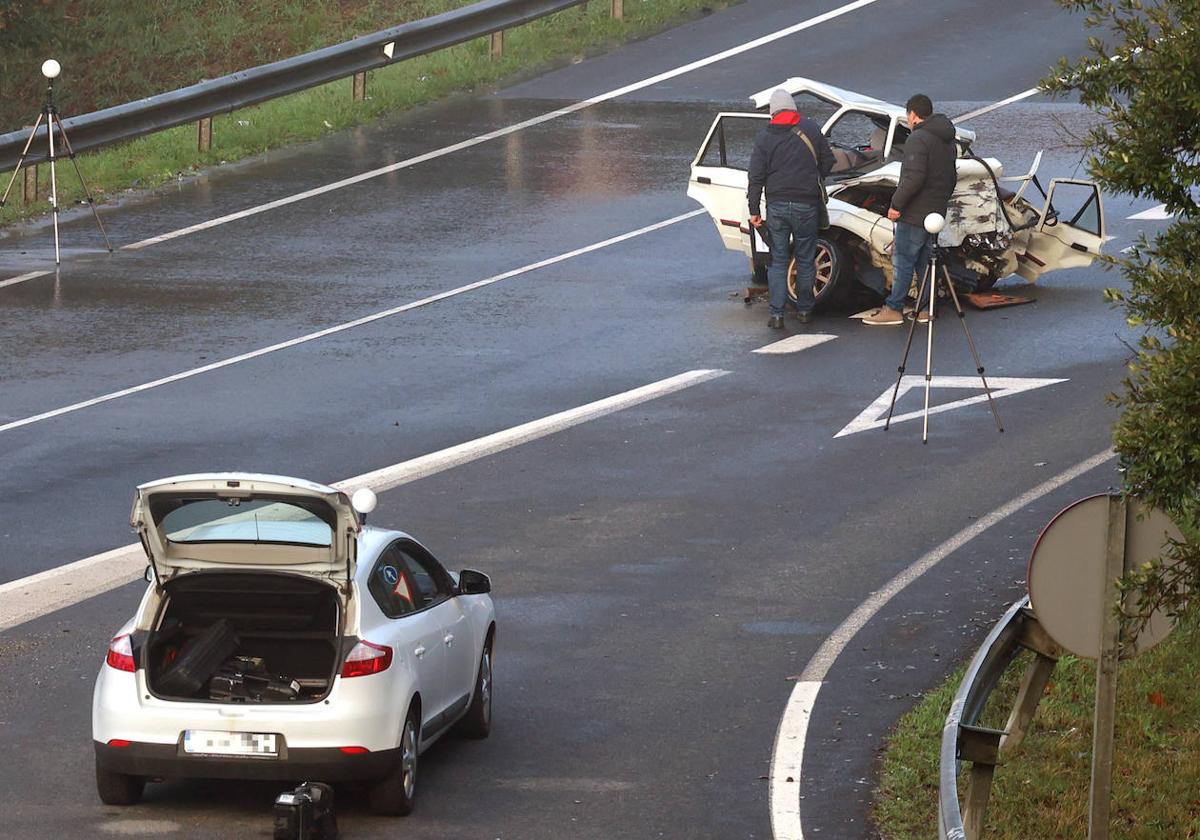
{"x": 27, "y": 598}
{"x": 875, "y": 415}
{"x": 1155, "y": 213}
{"x": 794, "y": 344}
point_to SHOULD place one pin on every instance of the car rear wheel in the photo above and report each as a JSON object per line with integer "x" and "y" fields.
{"x": 118, "y": 788}
{"x": 396, "y": 793}
{"x": 829, "y": 261}
{"x": 478, "y": 721}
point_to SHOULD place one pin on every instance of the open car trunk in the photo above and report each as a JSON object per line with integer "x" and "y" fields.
{"x": 270, "y": 637}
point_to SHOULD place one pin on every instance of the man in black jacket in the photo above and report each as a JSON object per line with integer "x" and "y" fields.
{"x": 927, "y": 178}
{"x": 791, "y": 170}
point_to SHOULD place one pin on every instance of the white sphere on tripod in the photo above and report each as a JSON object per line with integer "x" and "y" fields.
{"x": 51, "y": 68}
{"x": 934, "y": 222}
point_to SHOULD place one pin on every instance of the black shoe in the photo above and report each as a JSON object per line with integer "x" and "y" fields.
{"x": 804, "y": 317}
{"x": 776, "y": 322}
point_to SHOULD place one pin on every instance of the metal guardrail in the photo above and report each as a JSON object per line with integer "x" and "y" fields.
{"x": 963, "y": 740}
{"x": 290, "y": 75}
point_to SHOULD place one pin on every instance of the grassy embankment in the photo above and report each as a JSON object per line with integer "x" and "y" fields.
{"x": 1041, "y": 791}
{"x": 117, "y": 52}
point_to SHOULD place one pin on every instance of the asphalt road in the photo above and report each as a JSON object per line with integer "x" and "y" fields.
{"x": 660, "y": 572}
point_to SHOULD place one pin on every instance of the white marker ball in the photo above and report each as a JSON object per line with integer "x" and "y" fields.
{"x": 51, "y": 68}
{"x": 934, "y": 222}
{"x": 363, "y": 500}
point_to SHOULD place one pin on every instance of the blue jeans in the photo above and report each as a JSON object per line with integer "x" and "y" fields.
{"x": 910, "y": 255}
{"x": 798, "y": 221}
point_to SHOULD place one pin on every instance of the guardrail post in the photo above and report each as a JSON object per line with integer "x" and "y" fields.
{"x": 981, "y": 747}
{"x": 497, "y": 50}
{"x": 359, "y": 88}
{"x": 204, "y": 134}
{"x": 30, "y": 191}
{"x": 618, "y": 9}
{"x": 1033, "y": 682}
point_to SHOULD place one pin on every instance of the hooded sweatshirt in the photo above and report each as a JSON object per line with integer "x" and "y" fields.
{"x": 782, "y": 163}
{"x": 928, "y": 175}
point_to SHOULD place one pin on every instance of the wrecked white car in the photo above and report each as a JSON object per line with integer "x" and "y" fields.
{"x": 991, "y": 232}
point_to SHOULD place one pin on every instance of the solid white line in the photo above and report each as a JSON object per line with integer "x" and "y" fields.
{"x": 786, "y": 758}
{"x": 785, "y": 822}
{"x": 358, "y": 322}
{"x": 503, "y": 132}
{"x": 1157, "y": 214}
{"x": 1016, "y": 97}
{"x": 29, "y": 597}
{"x": 794, "y": 344}
{"x": 21, "y": 278}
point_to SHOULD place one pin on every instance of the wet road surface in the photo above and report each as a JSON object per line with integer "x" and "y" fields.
{"x": 659, "y": 573}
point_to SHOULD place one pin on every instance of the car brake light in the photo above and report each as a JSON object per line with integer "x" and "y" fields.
{"x": 367, "y": 658}
{"x": 354, "y": 750}
{"x": 118, "y": 742}
{"x": 120, "y": 654}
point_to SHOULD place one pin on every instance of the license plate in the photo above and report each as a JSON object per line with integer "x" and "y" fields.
{"x": 211, "y": 742}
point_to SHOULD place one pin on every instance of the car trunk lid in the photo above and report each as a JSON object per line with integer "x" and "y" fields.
{"x": 243, "y": 521}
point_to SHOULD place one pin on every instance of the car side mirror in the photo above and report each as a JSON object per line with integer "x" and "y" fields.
{"x": 471, "y": 582}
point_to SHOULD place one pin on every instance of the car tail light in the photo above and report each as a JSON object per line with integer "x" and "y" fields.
{"x": 354, "y": 750}
{"x": 118, "y": 742}
{"x": 367, "y": 658}
{"x": 120, "y": 654}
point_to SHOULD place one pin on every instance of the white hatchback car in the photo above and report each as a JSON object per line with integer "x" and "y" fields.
{"x": 991, "y": 231}
{"x": 282, "y": 638}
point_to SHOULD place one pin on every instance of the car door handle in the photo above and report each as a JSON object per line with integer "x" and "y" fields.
{"x": 419, "y": 652}
{"x": 1079, "y": 247}
{"x": 449, "y": 640}
{"x": 704, "y": 179}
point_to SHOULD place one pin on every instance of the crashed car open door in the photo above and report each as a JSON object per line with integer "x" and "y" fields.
{"x": 1070, "y": 232}
{"x": 720, "y": 174}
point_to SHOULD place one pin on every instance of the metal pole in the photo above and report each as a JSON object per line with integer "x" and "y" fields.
{"x": 53, "y": 180}
{"x": 929, "y": 342}
{"x": 907, "y": 349}
{"x": 1100, "y": 794}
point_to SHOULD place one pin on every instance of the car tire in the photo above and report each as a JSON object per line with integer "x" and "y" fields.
{"x": 395, "y": 794}
{"x": 477, "y": 723}
{"x": 830, "y": 260}
{"x": 118, "y": 788}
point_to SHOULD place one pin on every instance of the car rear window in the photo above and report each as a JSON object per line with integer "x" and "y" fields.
{"x": 244, "y": 520}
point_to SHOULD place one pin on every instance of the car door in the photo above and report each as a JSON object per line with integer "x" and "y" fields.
{"x": 416, "y": 632}
{"x": 437, "y": 590}
{"x": 719, "y": 175}
{"x": 1070, "y": 232}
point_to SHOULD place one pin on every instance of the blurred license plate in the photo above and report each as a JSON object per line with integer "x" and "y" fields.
{"x": 211, "y": 742}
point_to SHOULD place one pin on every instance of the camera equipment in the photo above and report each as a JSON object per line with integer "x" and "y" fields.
{"x": 51, "y": 69}
{"x": 306, "y": 813}
{"x": 935, "y": 274}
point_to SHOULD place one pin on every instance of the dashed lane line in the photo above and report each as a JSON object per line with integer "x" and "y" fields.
{"x": 794, "y": 344}
{"x": 357, "y": 322}
{"x": 36, "y": 595}
{"x": 788, "y": 752}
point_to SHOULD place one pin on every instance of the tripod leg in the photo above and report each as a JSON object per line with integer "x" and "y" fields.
{"x": 932, "y": 269}
{"x": 904, "y": 359}
{"x": 53, "y": 189}
{"x": 21, "y": 159}
{"x": 971, "y": 343}
{"x": 87, "y": 193}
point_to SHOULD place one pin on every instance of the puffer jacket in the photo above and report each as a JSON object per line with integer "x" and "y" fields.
{"x": 782, "y": 163}
{"x": 928, "y": 175}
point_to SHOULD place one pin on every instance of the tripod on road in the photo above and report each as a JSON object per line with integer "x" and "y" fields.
{"x": 49, "y": 114}
{"x": 936, "y": 276}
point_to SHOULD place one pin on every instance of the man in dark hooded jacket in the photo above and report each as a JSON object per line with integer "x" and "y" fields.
{"x": 790, "y": 160}
{"x": 927, "y": 179}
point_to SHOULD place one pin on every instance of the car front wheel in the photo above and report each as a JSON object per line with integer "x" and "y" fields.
{"x": 395, "y": 794}
{"x": 118, "y": 788}
{"x": 478, "y": 721}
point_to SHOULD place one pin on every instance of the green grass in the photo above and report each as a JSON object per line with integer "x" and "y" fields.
{"x": 155, "y": 159}
{"x": 1041, "y": 791}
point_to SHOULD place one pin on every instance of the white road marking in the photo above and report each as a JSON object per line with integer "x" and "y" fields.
{"x": 1158, "y": 213}
{"x": 875, "y": 415}
{"x": 794, "y": 344}
{"x": 502, "y": 132}
{"x": 785, "y": 813}
{"x": 21, "y": 278}
{"x": 1016, "y": 97}
{"x": 358, "y": 322}
{"x": 29, "y": 597}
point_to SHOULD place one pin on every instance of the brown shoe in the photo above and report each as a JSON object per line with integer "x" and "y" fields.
{"x": 885, "y": 316}
{"x": 923, "y": 316}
